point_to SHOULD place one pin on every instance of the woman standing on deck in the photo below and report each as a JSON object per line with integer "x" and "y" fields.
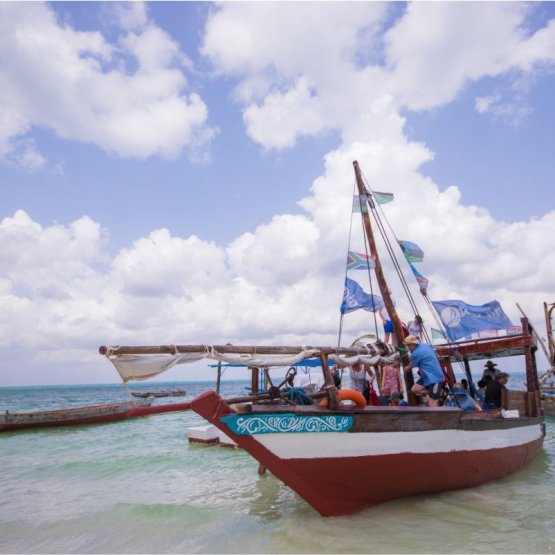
{"x": 362, "y": 377}
{"x": 416, "y": 327}
{"x": 391, "y": 378}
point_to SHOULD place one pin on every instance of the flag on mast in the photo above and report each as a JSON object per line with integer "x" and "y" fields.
{"x": 359, "y": 261}
{"x": 354, "y": 297}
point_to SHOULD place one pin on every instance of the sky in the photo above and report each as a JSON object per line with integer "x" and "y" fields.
{"x": 181, "y": 172}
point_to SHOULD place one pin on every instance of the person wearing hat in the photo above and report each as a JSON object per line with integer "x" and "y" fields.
{"x": 490, "y": 369}
{"x": 432, "y": 378}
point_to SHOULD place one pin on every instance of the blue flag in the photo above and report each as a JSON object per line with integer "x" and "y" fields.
{"x": 354, "y": 298}
{"x": 461, "y": 319}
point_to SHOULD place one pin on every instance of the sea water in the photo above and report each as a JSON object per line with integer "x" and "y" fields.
{"x": 138, "y": 486}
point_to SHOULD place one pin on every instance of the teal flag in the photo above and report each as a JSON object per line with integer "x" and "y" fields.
{"x": 360, "y": 204}
{"x": 412, "y": 252}
{"x": 438, "y": 335}
{"x": 382, "y": 198}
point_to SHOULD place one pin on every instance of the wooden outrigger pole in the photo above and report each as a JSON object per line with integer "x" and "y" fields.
{"x": 384, "y": 289}
{"x": 232, "y": 349}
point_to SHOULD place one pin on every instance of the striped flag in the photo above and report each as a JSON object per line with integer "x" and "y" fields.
{"x": 422, "y": 281}
{"x": 359, "y": 261}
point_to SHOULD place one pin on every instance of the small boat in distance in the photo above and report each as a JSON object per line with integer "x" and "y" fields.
{"x": 92, "y": 414}
{"x": 341, "y": 458}
{"x": 157, "y": 394}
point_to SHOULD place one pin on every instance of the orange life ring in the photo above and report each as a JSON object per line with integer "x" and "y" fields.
{"x": 348, "y": 395}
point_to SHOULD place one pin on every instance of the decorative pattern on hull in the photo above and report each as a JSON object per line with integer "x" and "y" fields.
{"x": 285, "y": 424}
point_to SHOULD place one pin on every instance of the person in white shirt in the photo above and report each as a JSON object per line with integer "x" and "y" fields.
{"x": 416, "y": 327}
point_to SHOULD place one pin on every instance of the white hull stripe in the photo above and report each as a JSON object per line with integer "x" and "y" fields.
{"x": 337, "y": 445}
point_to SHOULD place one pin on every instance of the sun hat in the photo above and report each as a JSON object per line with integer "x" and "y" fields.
{"x": 411, "y": 340}
{"x": 489, "y": 364}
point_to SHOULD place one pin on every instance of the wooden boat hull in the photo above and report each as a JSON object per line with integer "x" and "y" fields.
{"x": 93, "y": 414}
{"x": 381, "y": 455}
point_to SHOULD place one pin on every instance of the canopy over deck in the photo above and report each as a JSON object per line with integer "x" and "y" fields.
{"x": 478, "y": 349}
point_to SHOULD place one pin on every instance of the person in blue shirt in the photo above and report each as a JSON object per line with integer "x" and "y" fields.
{"x": 461, "y": 398}
{"x": 432, "y": 381}
{"x": 397, "y": 400}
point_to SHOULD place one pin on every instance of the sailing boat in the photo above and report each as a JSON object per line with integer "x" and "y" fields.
{"x": 343, "y": 458}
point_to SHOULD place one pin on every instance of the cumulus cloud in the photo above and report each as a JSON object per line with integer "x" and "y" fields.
{"x": 78, "y": 85}
{"x": 282, "y": 282}
{"x": 422, "y": 61}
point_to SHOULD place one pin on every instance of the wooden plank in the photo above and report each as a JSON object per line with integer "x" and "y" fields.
{"x": 405, "y": 422}
{"x": 514, "y": 345}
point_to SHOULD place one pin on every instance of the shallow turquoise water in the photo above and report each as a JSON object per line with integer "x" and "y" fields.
{"x": 138, "y": 487}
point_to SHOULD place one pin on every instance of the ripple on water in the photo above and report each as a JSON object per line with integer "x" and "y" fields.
{"x": 139, "y": 487}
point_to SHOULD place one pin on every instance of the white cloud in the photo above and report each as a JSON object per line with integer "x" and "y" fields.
{"x": 298, "y": 108}
{"x": 282, "y": 283}
{"x": 343, "y": 66}
{"x": 126, "y": 15}
{"x": 75, "y": 84}
{"x": 294, "y": 77}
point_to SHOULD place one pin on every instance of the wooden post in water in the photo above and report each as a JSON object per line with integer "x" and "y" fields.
{"x": 385, "y": 292}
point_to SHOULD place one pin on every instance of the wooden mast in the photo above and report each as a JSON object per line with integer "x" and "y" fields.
{"x": 384, "y": 289}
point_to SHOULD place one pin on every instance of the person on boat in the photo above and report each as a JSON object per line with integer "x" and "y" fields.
{"x": 336, "y": 375}
{"x": 397, "y": 400}
{"x": 490, "y": 370}
{"x": 416, "y": 327}
{"x": 391, "y": 377}
{"x": 483, "y": 383}
{"x": 432, "y": 381}
{"x": 362, "y": 378}
{"x": 492, "y": 398}
{"x": 387, "y": 324}
{"x": 460, "y": 398}
{"x": 389, "y": 331}
{"x": 384, "y": 397}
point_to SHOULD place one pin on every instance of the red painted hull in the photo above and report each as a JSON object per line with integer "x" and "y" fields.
{"x": 338, "y": 485}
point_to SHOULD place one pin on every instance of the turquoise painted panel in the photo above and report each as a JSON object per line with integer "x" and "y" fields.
{"x": 249, "y": 424}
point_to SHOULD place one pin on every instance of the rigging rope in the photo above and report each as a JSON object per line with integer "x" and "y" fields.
{"x": 340, "y": 332}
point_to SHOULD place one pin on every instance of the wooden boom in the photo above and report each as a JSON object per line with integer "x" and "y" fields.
{"x": 235, "y": 349}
